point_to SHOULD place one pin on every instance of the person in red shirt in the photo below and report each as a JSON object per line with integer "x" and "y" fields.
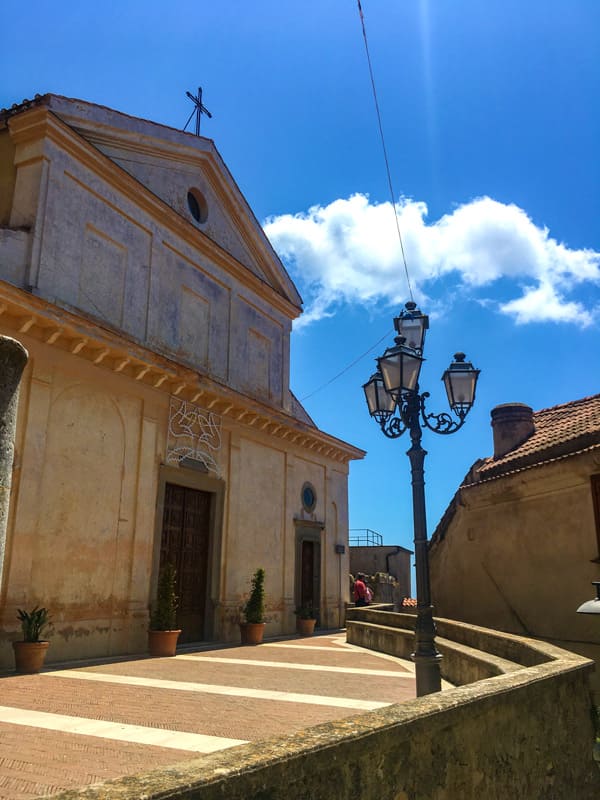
{"x": 360, "y": 591}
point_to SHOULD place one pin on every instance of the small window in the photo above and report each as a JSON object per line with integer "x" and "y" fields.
{"x": 309, "y": 497}
{"x": 197, "y": 205}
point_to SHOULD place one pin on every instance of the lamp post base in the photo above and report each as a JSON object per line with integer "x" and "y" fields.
{"x": 427, "y": 672}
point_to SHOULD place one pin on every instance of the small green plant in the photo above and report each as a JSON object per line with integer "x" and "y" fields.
{"x": 164, "y": 611}
{"x": 305, "y": 612}
{"x": 254, "y": 610}
{"x": 33, "y": 623}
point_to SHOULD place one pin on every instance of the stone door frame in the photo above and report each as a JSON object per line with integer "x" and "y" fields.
{"x": 192, "y": 479}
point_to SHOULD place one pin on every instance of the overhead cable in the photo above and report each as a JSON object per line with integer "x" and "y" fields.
{"x": 339, "y": 375}
{"x": 385, "y": 156}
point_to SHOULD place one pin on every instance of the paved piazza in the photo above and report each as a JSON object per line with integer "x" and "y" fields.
{"x": 93, "y": 721}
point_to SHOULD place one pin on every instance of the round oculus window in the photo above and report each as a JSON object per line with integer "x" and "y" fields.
{"x": 309, "y": 497}
{"x": 197, "y": 205}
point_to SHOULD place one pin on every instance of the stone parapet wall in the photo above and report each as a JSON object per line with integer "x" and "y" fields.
{"x": 471, "y": 653}
{"x": 526, "y": 733}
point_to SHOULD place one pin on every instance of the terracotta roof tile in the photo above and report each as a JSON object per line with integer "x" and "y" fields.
{"x": 559, "y": 431}
{"x": 24, "y": 105}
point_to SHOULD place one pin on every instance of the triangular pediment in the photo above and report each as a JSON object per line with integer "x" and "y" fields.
{"x": 174, "y": 165}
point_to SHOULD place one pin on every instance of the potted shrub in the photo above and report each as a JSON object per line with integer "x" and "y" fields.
{"x": 31, "y": 652}
{"x": 163, "y": 632}
{"x": 252, "y": 629}
{"x": 305, "y": 620}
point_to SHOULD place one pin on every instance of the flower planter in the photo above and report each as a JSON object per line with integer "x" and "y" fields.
{"x": 163, "y": 643}
{"x": 29, "y": 656}
{"x": 252, "y": 632}
{"x": 305, "y": 627}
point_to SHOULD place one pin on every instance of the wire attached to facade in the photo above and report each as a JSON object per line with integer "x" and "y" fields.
{"x": 385, "y": 155}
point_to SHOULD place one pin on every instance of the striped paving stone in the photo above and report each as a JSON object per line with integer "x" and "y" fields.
{"x": 306, "y": 654}
{"x": 117, "y": 730}
{"x": 389, "y": 689}
{"x": 36, "y": 763}
{"x": 387, "y": 680}
{"x": 224, "y": 715}
{"x": 312, "y": 659}
{"x": 98, "y": 721}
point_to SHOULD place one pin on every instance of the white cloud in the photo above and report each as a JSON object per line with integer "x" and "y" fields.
{"x": 348, "y": 252}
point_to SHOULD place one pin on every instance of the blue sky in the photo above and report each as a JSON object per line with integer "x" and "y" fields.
{"x": 492, "y": 122}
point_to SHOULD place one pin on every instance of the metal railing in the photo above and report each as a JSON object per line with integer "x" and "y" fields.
{"x": 364, "y": 537}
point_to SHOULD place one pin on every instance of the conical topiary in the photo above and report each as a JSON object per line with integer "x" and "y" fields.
{"x": 164, "y": 611}
{"x": 254, "y": 610}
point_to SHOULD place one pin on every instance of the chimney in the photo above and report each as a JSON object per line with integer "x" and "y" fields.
{"x": 512, "y": 424}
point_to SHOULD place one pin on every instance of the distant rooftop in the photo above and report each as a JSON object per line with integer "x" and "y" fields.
{"x": 365, "y": 537}
{"x": 560, "y": 431}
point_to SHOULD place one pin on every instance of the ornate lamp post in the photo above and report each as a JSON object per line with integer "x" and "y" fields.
{"x": 394, "y": 401}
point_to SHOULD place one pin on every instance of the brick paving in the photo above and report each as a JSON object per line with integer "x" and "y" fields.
{"x": 37, "y": 762}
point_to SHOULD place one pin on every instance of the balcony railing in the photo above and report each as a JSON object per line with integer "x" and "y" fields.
{"x": 364, "y": 537}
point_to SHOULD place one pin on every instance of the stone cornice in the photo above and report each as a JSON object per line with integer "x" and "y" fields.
{"x": 39, "y": 123}
{"x": 22, "y": 313}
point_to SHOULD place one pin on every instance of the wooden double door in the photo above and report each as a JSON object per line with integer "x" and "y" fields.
{"x": 185, "y": 543}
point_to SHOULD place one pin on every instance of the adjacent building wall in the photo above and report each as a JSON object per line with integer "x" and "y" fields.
{"x": 519, "y": 554}
{"x": 390, "y": 559}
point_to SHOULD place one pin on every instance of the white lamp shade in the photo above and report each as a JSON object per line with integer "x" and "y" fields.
{"x": 412, "y": 324}
{"x": 381, "y": 404}
{"x": 400, "y": 368}
{"x": 413, "y": 330}
{"x": 460, "y": 380}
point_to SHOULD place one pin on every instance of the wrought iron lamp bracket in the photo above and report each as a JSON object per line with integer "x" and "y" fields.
{"x": 442, "y": 423}
{"x": 404, "y": 417}
{"x": 393, "y": 427}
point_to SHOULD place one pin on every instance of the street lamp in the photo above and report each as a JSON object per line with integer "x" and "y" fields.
{"x": 591, "y": 606}
{"x": 394, "y": 401}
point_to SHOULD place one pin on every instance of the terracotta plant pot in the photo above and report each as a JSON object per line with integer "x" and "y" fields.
{"x": 252, "y": 632}
{"x": 163, "y": 643}
{"x": 29, "y": 656}
{"x": 305, "y": 627}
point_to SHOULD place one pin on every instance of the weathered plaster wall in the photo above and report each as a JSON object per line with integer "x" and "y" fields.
{"x": 171, "y": 182}
{"x": 169, "y": 163}
{"x": 100, "y": 250}
{"x": 264, "y": 512}
{"x": 395, "y": 560}
{"x": 7, "y": 176}
{"x": 527, "y": 734}
{"x": 82, "y": 516}
{"x": 125, "y": 304}
{"x": 519, "y": 554}
{"x": 14, "y": 249}
{"x": 84, "y": 523}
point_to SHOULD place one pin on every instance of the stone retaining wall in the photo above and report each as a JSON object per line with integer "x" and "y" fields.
{"x": 525, "y": 733}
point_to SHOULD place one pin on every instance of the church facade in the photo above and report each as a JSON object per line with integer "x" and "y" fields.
{"x": 156, "y": 421}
